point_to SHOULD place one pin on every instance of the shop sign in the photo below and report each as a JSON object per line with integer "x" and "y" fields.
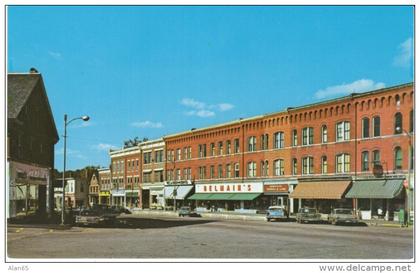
{"x": 26, "y": 173}
{"x": 104, "y": 193}
{"x": 276, "y": 188}
{"x": 229, "y": 188}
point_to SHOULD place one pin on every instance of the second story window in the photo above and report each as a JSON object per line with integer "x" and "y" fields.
{"x": 159, "y": 156}
{"x": 324, "y": 134}
{"x": 189, "y": 153}
{"x": 376, "y": 123}
{"x": 342, "y": 163}
{"x": 228, "y": 171}
{"x": 220, "y": 171}
{"x": 343, "y": 131}
{"x": 202, "y": 150}
{"x": 264, "y": 168}
{"x": 236, "y": 148}
{"x": 178, "y": 154}
{"x": 252, "y": 144}
{"x": 307, "y": 165}
{"x": 376, "y": 157}
{"x": 236, "y": 170}
{"x": 307, "y": 136}
{"x": 397, "y": 158}
{"x": 147, "y": 158}
{"x": 212, "y": 172}
{"x": 178, "y": 174}
{"x": 365, "y": 161}
{"x": 294, "y": 166}
{"x": 294, "y": 138}
{"x": 365, "y": 127}
{"x": 324, "y": 165}
{"x": 398, "y": 129}
{"x": 252, "y": 169}
{"x": 278, "y": 140}
{"x": 278, "y": 167}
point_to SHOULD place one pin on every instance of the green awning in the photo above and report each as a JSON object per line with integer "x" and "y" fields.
{"x": 244, "y": 196}
{"x": 375, "y": 189}
{"x": 200, "y": 196}
{"x": 224, "y": 196}
{"x": 131, "y": 194}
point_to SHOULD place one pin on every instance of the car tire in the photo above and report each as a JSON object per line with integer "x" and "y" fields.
{"x": 268, "y": 220}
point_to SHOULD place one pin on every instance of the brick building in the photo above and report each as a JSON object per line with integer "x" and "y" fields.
{"x": 125, "y": 176}
{"x": 31, "y": 136}
{"x": 333, "y": 153}
{"x": 152, "y": 174}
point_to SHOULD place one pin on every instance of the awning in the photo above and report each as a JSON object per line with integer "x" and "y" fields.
{"x": 132, "y": 194}
{"x": 181, "y": 192}
{"x": 224, "y": 196}
{"x": 375, "y": 189}
{"x": 200, "y": 196}
{"x": 320, "y": 190}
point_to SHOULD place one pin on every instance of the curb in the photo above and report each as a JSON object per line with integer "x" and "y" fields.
{"x": 46, "y": 226}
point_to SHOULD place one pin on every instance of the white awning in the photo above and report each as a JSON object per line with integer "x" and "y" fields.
{"x": 180, "y": 191}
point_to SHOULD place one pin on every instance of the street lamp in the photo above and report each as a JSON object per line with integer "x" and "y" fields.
{"x": 84, "y": 118}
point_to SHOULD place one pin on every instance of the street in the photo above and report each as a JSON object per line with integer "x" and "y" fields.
{"x": 170, "y": 237}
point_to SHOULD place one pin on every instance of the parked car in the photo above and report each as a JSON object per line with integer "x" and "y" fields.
{"x": 184, "y": 211}
{"x": 306, "y": 215}
{"x": 96, "y": 217}
{"x": 120, "y": 209}
{"x": 276, "y": 213}
{"x": 342, "y": 216}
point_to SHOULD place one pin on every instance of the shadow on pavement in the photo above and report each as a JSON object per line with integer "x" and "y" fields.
{"x": 145, "y": 223}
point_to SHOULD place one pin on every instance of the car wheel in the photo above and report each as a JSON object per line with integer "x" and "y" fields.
{"x": 268, "y": 220}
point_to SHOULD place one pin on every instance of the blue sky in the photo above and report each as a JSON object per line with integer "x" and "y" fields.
{"x": 150, "y": 71}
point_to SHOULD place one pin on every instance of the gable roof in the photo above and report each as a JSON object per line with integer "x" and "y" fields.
{"x": 19, "y": 88}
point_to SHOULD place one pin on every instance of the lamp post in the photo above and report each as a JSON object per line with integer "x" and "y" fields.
{"x": 84, "y": 118}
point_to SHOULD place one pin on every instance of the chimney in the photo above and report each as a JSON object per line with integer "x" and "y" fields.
{"x": 33, "y": 70}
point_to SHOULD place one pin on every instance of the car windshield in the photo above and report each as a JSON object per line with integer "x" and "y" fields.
{"x": 343, "y": 211}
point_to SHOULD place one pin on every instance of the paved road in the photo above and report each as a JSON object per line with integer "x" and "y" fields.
{"x": 149, "y": 237}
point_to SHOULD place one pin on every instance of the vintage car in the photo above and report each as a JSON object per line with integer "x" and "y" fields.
{"x": 306, "y": 215}
{"x": 187, "y": 211}
{"x": 96, "y": 216}
{"x": 276, "y": 213}
{"x": 344, "y": 216}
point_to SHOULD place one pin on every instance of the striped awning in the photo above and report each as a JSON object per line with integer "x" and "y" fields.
{"x": 320, "y": 190}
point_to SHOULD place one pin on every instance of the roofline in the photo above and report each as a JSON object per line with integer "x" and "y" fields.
{"x": 292, "y": 109}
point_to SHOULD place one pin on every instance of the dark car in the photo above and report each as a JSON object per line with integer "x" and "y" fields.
{"x": 344, "y": 216}
{"x": 306, "y": 215}
{"x": 96, "y": 217}
{"x": 120, "y": 209}
{"x": 276, "y": 213}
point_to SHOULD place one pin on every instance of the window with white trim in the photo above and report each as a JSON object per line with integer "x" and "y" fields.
{"x": 252, "y": 169}
{"x": 307, "y": 136}
{"x": 278, "y": 140}
{"x": 342, "y": 163}
{"x": 343, "y": 131}
{"x": 307, "y": 165}
{"x": 324, "y": 134}
{"x": 278, "y": 167}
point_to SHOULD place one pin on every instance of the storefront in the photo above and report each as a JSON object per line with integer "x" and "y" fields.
{"x": 225, "y": 196}
{"x": 277, "y": 193}
{"x": 176, "y": 195}
{"x": 131, "y": 198}
{"x": 324, "y": 196}
{"x": 157, "y": 201}
{"x": 378, "y": 198}
{"x": 104, "y": 197}
{"x": 118, "y": 197}
{"x": 27, "y": 189}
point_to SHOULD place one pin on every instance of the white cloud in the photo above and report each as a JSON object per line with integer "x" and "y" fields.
{"x": 55, "y": 55}
{"x": 147, "y": 124}
{"x": 405, "y": 54}
{"x": 103, "y": 147}
{"x": 361, "y": 85}
{"x": 225, "y": 106}
{"x": 204, "y": 110}
{"x": 82, "y": 125}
